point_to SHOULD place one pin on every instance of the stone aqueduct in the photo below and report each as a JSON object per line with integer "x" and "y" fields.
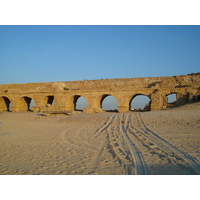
{"x": 65, "y": 94}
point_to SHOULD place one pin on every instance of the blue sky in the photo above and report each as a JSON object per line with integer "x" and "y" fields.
{"x": 67, "y": 53}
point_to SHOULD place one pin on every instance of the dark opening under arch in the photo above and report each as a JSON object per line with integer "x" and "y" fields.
{"x": 5, "y": 104}
{"x": 48, "y": 100}
{"x": 25, "y": 103}
{"x": 197, "y": 96}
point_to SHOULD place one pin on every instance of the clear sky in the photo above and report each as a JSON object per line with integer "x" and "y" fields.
{"x": 67, "y": 53}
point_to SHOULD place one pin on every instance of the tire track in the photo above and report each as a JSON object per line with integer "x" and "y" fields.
{"x": 95, "y": 157}
{"x": 140, "y": 167}
{"x": 102, "y": 129}
{"x": 148, "y": 144}
{"x": 118, "y": 147}
{"x": 105, "y": 130}
{"x": 115, "y": 145}
{"x": 172, "y": 152}
{"x": 124, "y": 136}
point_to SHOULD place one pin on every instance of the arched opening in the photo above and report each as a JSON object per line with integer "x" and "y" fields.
{"x": 80, "y": 103}
{"x": 5, "y": 104}
{"x": 48, "y": 100}
{"x": 197, "y": 96}
{"x": 140, "y": 102}
{"x": 32, "y": 103}
{"x": 109, "y": 103}
{"x": 25, "y": 104}
{"x": 171, "y": 100}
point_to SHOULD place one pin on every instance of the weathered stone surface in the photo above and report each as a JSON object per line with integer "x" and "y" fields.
{"x": 65, "y": 94}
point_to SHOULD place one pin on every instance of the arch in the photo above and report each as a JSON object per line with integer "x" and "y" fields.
{"x": 48, "y": 100}
{"x": 140, "y": 102}
{"x": 108, "y": 103}
{"x": 80, "y": 103}
{"x": 76, "y": 103}
{"x": 5, "y": 104}
{"x": 171, "y": 99}
{"x": 25, "y": 103}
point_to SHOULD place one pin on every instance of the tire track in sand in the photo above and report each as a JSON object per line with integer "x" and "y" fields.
{"x": 103, "y": 128}
{"x": 92, "y": 165}
{"x": 174, "y": 154}
{"x": 112, "y": 144}
{"x": 140, "y": 167}
{"x": 120, "y": 146}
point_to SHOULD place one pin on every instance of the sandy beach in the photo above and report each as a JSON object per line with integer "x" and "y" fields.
{"x": 164, "y": 142}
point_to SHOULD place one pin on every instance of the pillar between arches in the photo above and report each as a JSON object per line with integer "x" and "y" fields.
{"x": 37, "y": 106}
{"x": 123, "y": 102}
{"x": 157, "y": 101}
{"x": 93, "y": 104}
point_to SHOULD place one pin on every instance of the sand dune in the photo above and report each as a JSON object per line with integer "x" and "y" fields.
{"x": 157, "y": 142}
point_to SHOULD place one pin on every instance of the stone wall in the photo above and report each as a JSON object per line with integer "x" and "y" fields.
{"x": 65, "y": 94}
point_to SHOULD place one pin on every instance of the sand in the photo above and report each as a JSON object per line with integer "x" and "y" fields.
{"x": 165, "y": 142}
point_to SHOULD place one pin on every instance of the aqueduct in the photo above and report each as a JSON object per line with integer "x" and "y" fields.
{"x": 62, "y": 96}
